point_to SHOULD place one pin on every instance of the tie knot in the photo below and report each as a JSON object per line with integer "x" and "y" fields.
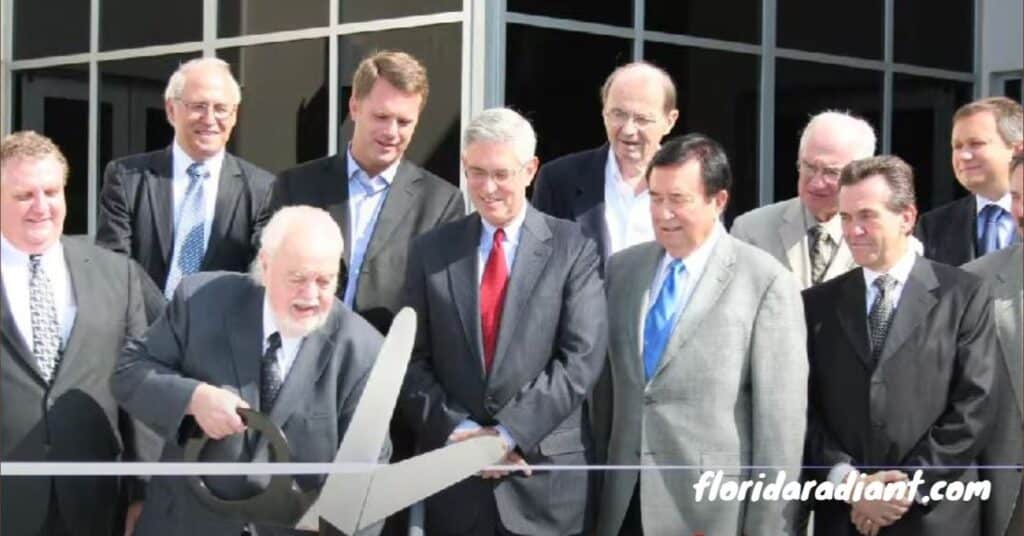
{"x": 499, "y": 235}
{"x": 35, "y": 261}
{"x": 818, "y": 232}
{"x": 197, "y": 171}
{"x": 991, "y": 213}
{"x": 273, "y": 342}
{"x": 676, "y": 267}
{"x": 885, "y": 283}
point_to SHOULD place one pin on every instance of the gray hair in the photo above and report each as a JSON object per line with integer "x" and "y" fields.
{"x": 860, "y": 129}
{"x": 502, "y": 125}
{"x": 176, "y": 84}
{"x": 310, "y": 223}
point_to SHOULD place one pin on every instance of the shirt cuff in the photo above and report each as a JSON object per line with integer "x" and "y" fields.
{"x": 840, "y": 472}
{"x": 466, "y": 424}
{"x": 503, "y": 432}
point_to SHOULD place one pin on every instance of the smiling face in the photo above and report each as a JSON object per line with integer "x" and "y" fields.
{"x": 496, "y": 180}
{"x": 202, "y": 131}
{"x": 32, "y": 206}
{"x": 301, "y": 277}
{"x": 384, "y": 122}
{"x": 683, "y": 216}
{"x": 634, "y": 116}
{"x": 980, "y": 157}
{"x": 877, "y": 236}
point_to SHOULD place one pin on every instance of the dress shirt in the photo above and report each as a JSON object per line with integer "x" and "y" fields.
{"x": 289, "y": 345}
{"x": 366, "y": 196}
{"x": 180, "y": 181}
{"x": 15, "y": 266}
{"x": 695, "y": 263}
{"x": 1005, "y": 226}
{"x": 627, "y": 215}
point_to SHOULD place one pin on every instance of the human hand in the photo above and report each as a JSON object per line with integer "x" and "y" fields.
{"x": 879, "y": 513}
{"x": 216, "y": 411}
{"x": 131, "y": 517}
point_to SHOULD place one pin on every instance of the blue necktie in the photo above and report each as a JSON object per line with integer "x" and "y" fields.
{"x": 661, "y": 317}
{"x": 990, "y": 217}
{"x": 189, "y": 239}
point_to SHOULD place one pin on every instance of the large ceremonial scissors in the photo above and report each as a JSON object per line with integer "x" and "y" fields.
{"x": 352, "y": 500}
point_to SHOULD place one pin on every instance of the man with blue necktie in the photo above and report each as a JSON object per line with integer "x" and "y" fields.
{"x": 707, "y": 358}
{"x": 986, "y": 134}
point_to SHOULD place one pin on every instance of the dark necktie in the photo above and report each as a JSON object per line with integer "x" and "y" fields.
{"x": 820, "y": 252}
{"x": 492, "y": 297}
{"x": 990, "y": 218}
{"x": 271, "y": 378}
{"x": 881, "y": 313}
{"x": 43, "y": 315}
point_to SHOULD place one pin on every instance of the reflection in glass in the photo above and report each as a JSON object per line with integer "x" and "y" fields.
{"x": 945, "y": 39}
{"x": 141, "y": 23}
{"x": 619, "y": 13}
{"x": 843, "y": 28}
{"x": 435, "y": 145}
{"x": 803, "y": 89}
{"x": 730, "y": 20}
{"x": 726, "y": 110}
{"x": 365, "y": 10}
{"x": 283, "y": 117}
{"x": 35, "y": 26}
{"x": 55, "y": 102}
{"x": 246, "y": 17}
{"x": 922, "y": 124}
{"x": 554, "y": 79}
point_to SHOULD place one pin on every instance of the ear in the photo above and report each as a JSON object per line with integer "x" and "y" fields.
{"x": 909, "y": 218}
{"x": 720, "y": 199}
{"x": 169, "y": 110}
{"x": 673, "y": 115}
{"x": 530, "y": 170}
{"x": 353, "y": 106}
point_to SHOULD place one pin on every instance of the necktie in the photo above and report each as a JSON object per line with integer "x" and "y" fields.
{"x": 271, "y": 378}
{"x": 492, "y": 297}
{"x": 821, "y": 252}
{"x": 43, "y": 314}
{"x": 189, "y": 240}
{"x": 881, "y": 313}
{"x": 990, "y": 217}
{"x": 661, "y": 317}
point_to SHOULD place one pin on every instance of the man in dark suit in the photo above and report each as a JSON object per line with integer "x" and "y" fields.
{"x": 57, "y": 353}
{"x": 986, "y": 133}
{"x": 380, "y": 201}
{"x": 603, "y": 189}
{"x": 512, "y": 336}
{"x": 190, "y": 207}
{"x": 201, "y": 361}
{"x": 903, "y": 365}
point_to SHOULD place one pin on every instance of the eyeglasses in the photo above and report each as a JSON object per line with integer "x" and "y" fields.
{"x": 500, "y": 176}
{"x": 829, "y": 173}
{"x": 619, "y": 117}
{"x": 200, "y": 109}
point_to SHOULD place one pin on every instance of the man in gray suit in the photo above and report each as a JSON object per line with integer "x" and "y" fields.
{"x": 67, "y": 308}
{"x": 804, "y": 233}
{"x": 707, "y": 359}
{"x": 511, "y": 338}
{"x": 1004, "y": 269}
{"x": 201, "y": 361}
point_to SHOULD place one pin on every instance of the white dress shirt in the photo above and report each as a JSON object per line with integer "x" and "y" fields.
{"x": 15, "y": 266}
{"x": 179, "y": 186}
{"x": 627, "y": 214}
{"x": 289, "y": 345}
{"x": 366, "y": 196}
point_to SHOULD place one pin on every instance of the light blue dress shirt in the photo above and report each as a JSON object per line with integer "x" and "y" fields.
{"x": 366, "y": 196}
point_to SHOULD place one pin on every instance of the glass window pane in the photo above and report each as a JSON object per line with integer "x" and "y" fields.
{"x": 925, "y": 34}
{"x": 843, "y": 28}
{"x": 922, "y": 124}
{"x": 435, "y": 145}
{"x": 35, "y": 25}
{"x": 619, "y": 13}
{"x": 245, "y": 17}
{"x": 363, "y": 10}
{"x": 803, "y": 89}
{"x": 727, "y": 110}
{"x": 55, "y": 102}
{"x": 283, "y": 117}
{"x": 141, "y": 23}
{"x": 731, "y": 20}
{"x": 557, "y": 88}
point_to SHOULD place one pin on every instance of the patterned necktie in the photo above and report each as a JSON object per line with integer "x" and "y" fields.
{"x": 660, "y": 318}
{"x": 821, "y": 252}
{"x": 189, "y": 239}
{"x": 492, "y": 297}
{"x": 43, "y": 313}
{"x": 271, "y": 378}
{"x": 881, "y": 313}
{"x": 991, "y": 215}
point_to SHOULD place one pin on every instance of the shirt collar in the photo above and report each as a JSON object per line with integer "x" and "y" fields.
{"x": 12, "y": 256}
{"x": 833, "y": 226}
{"x": 698, "y": 258}
{"x": 388, "y": 174}
{"x": 613, "y": 178}
{"x": 270, "y": 325}
{"x": 181, "y": 161}
{"x": 900, "y": 271}
{"x": 982, "y": 202}
{"x": 512, "y": 229}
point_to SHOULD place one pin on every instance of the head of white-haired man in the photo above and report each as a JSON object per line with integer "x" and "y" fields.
{"x": 499, "y": 163}
{"x": 298, "y": 262}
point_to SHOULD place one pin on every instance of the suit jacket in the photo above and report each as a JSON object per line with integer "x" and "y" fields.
{"x": 572, "y": 188}
{"x": 550, "y": 351}
{"x": 137, "y": 216}
{"x": 212, "y": 332}
{"x": 949, "y": 232}
{"x": 416, "y": 202}
{"x": 779, "y": 229}
{"x": 75, "y": 418}
{"x": 1005, "y": 270}
{"x": 930, "y": 401}
{"x": 728, "y": 393}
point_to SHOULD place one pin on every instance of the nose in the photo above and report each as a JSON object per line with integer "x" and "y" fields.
{"x": 966, "y": 155}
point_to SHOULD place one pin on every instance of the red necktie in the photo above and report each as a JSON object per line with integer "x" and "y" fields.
{"x": 492, "y": 297}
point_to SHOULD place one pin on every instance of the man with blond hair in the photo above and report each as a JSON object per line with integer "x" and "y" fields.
{"x": 192, "y": 206}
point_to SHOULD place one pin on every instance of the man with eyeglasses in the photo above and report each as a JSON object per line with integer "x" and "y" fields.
{"x": 603, "y": 189}
{"x": 192, "y": 206}
{"x": 804, "y": 233}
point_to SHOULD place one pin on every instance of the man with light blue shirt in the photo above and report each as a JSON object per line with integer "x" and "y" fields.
{"x": 707, "y": 362}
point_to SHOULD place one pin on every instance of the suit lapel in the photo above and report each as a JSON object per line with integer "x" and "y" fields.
{"x": 1009, "y": 308}
{"x": 964, "y": 221}
{"x": 399, "y": 199}
{"x": 244, "y": 326}
{"x": 532, "y": 254}
{"x": 637, "y": 302}
{"x": 853, "y": 318}
{"x": 161, "y": 200}
{"x": 462, "y": 280}
{"x": 915, "y": 302}
{"x": 791, "y": 237}
{"x": 229, "y": 193}
{"x": 589, "y": 200}
{"x": 334, "y": 190}
{"x": 14, "y": 336}
{"x": 82, "y": 274}
{"x": 313, "y": 356}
